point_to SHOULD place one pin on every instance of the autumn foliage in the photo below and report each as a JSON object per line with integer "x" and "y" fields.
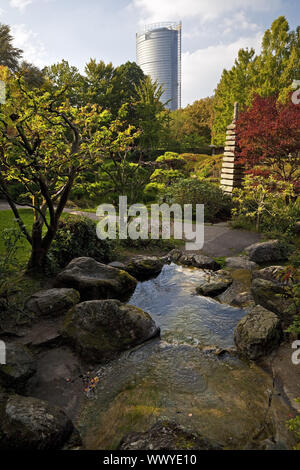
{"x": 269, "y": 139}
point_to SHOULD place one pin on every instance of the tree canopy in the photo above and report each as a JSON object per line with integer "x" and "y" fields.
{"x": 9, "y": 55}
{"x": 269, "y": 136}
{"x": 269, "y": 73}
{"x": 45, "y": 143}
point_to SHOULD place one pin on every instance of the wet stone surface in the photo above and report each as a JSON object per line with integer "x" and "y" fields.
{"x": 219, "y": 397}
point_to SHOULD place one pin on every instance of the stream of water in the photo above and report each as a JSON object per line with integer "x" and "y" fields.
{"x": 222, "y": 398}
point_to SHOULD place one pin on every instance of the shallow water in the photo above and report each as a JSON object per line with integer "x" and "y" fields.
{"x": 183, "y": 316}
{"x": 223, "y": 399}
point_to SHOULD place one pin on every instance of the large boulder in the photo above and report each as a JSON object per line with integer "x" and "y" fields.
{"x": 52, "y": 302}
{"x": 145, "y": 267}
{"x": 100, "y": 329}
{"x": 30, "y": 424}
{"x": 273, "y": 296}
{"x": 166, "y": 435}
{"x": 192, "y": 259}
{"x": 272, "y": 273}
{"x": 268, "y": 252}
{"x": 215, "y": 284}
{"x": 19, "y": 368}
{"x": 240, "y": 262}
{"x": 258, "y": 333}
{"x": 95, "y": 280}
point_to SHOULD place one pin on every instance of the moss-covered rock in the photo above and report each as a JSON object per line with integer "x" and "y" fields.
{"x": 52, "y": 302}
{"x": 99, "y": 330}
{"x": 30, "y": 424}
{"x": 215, "y": 284}
{"x": 258, "y": 333}
{"x": 268, "y": 252}
{"x": 192, "y": 259}
{"x": 19, "y": 368}
{"x": 271, "y": 273}
{"x": 96, "y": 281}
{"x": 273, "y": 296}
{"x": 145, "y": 267}
{"x": 167, "y": 435}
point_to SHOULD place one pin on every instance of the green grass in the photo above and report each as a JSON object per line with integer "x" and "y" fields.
{"x": 8, "y": 221}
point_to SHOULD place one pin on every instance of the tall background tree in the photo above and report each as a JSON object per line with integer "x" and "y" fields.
{"x": 271, "y": 72}
{"x": 151, "y": 115}
{"x": 190, "y": 128}
{"x": 9, "y": 55}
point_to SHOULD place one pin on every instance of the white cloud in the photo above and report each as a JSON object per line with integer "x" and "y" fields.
{"x": 20, "y": 4}
{"x": 27, "y": 40}
{"x": 204, "y": 10}
{"x": 202, "y": 69}
{"x": 238, "y": 22}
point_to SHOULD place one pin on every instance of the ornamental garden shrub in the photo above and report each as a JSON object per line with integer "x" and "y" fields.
{"x": 76, "y": 237}
{"x": 217, "y": 205}
{"x": 266, "y": 205}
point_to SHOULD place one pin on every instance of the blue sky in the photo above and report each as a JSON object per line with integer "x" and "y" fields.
{"x": 213, "y": 31}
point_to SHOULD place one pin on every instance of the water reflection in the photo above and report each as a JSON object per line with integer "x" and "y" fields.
{"x": 183, "y": 316}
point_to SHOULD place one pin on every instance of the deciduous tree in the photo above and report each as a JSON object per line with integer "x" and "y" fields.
{"x": 45, "y": 143}
{"x": 269, "y": 136}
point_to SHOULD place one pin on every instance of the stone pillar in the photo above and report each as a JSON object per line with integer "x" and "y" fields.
{"x": 231, "y": 173}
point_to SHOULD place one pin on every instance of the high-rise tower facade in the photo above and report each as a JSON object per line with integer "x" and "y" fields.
{"x": 158, "y": 50}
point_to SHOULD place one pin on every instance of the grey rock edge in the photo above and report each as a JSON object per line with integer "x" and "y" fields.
{"x": 258, "y": 333}
{"x": 95, "y": 281}
{"x": 30, "y": 424}
{"x": 167, "y": 435}
{"x": 268, "y": 252}
{"x": 99, "y": 330}
{"x": 19, "y": 368}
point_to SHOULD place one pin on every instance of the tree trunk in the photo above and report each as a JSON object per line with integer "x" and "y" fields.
{"x": 40, "y": 245}
{"x": 36, "y": 263}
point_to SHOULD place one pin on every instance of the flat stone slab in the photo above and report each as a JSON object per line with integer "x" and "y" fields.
{"x": 43, "y": 334}
{"x": 59, "y": 379}
{"x": 240, "y": 262}
{"x": 95, "y": 280}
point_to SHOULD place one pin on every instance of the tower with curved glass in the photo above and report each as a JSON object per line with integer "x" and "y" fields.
{"x": 158, "y": 50}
